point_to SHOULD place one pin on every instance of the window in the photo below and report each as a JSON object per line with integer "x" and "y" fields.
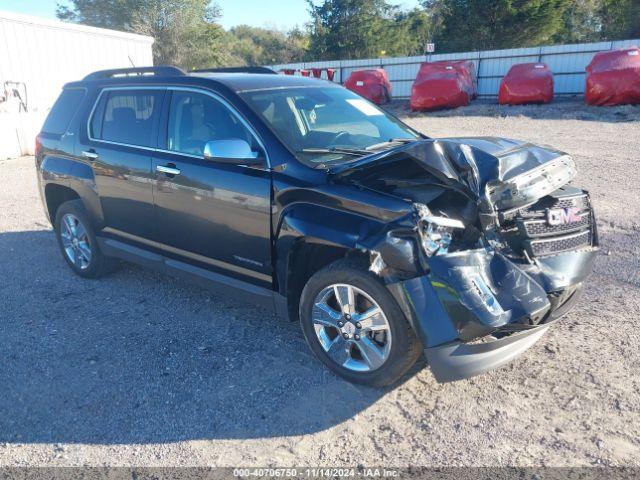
{"x": 63, "y": 111}
{"x": 325, "y": 117}
{"x": 196, "y": 118}
{"x": 127, "y": 116}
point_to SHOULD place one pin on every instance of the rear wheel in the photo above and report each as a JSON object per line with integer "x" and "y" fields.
{"x": 78, "y": 243}
{"x": 354, "y": 326}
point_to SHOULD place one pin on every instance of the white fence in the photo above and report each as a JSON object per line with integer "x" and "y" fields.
{"x": 567, "y": 62}
{"x": 42, "y": 55}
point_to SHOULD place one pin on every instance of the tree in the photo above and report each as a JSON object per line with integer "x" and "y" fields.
{"x": 349, "y": 28}
{"x": 114, "y": 14}
{"x": 581, "y": 23}
{"x": 620, "y": 19}
{"x": 410, "y": 31}
{"x": 186, "y": 32}
{"x": 261, "y": 46}
{"x": 495, "y": 24}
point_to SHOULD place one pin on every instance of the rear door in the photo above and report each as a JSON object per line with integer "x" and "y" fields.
{"x": 118, "y": 142}
{"x": 215, "y": 216}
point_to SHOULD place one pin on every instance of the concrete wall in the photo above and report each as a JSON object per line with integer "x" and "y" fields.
{"x": 566, "y": 61}
{"x": 46, "y": 54}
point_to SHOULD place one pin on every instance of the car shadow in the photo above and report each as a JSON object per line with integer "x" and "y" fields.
{"x": 567, "y": 108}
{"x": 138, "y": 357}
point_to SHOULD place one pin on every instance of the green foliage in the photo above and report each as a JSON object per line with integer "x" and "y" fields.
{"x": 261, "y": 46}
{"x": 350, "y": 28}
{"x": 113, "y": 14}
{"x": 410, "y": 32}
{"x": 581, "y": 23}
{"x": 365, "y": 29}
{"x": 187, "y": 32}
{"x": 495, "y": 24}
{"x": 620, "y": 18}
{"x": 487, "y": 24}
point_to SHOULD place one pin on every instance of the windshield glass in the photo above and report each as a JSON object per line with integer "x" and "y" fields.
{"x": 326, "y": 125}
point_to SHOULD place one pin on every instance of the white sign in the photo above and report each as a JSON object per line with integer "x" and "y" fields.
{"x": 430, "y": 48}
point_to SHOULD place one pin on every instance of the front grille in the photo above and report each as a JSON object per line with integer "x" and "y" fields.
{"x": 529, "y": 229}
{"x": 581, "y": 202}
{"x": 548, "y": 246}
{"x": 541, "y": 228}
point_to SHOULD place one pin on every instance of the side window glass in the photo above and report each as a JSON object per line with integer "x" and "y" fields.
{"x": 127, "y": 117}
{"x": 196, "y": 118}
{"x": 95, "y": 125}
{"x": 63, "y": 111}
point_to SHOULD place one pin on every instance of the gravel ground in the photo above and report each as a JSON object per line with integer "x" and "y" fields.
{"x": 140, "y": 369}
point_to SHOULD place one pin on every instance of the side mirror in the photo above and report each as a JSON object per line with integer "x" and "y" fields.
{"x": 232, "y": 151}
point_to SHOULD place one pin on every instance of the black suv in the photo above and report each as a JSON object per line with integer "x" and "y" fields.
{"x": 307, "y": 198}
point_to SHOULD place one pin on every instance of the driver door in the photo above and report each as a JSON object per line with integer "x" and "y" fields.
{"x": 211, "y": 215}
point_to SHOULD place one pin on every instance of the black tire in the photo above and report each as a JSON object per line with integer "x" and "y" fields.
{"x": 387, "y": 96}
{"x": 99, "y": 264}
{"x": 405, "y": 348}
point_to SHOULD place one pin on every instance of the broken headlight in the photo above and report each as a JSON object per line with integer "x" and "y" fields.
{"x": 435, "y": 232}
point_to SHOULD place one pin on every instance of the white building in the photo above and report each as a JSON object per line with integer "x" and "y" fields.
{"x": 38, "y": 56}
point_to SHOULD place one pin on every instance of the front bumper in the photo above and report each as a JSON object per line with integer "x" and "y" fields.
{"x": 479, "y": 294}
{"x": 458, "y": 360}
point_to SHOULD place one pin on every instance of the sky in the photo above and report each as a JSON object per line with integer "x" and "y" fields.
{"x": 281, "y": 14}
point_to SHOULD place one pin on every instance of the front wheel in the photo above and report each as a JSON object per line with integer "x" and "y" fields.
{"x": 355, "y": 327}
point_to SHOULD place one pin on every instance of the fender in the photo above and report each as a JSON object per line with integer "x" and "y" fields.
{"x": 320, "y": 225}
{"x": 76, "y": 175}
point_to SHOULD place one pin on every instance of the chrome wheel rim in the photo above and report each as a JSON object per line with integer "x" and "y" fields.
{"x": 351, "y": 328}
{"x": 75, "y": 241}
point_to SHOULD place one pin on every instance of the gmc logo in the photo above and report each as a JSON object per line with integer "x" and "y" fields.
{"x": 563, "y": 216}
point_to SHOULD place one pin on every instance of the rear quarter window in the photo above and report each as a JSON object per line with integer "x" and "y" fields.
{"x": 126, "y": 117}
{"x": 63, "y": 111}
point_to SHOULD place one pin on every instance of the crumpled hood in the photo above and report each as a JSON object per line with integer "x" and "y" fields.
{"x": 501, "y": 173}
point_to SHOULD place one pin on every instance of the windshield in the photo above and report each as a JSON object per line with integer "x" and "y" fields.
{"x": 326, "y": 125}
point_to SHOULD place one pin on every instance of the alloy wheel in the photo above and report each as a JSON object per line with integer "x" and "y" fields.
{"x": 351, "y": 328}
{"x": 75, "y": 241}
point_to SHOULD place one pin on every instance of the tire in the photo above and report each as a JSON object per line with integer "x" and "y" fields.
{"x": 85, "y": 257}
{"x": 395, "y": 346}
{"x": 387, "y": 96}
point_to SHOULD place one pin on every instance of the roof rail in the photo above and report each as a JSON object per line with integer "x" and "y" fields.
{"x": 165, "y": 70}
{"x": 237, "y": 70}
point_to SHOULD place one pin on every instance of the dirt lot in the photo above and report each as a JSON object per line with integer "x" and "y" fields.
{"x": 141, "y": 369}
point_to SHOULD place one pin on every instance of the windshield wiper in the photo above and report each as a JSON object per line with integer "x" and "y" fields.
{"x": 391, "y": 142}
{"x": 346, "y": 151}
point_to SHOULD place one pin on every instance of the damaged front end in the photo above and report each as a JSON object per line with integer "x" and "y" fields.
{"x": 499, "y": 246}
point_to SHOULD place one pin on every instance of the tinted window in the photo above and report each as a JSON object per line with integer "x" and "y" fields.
{"x": 195, "y": 119}
{"x": 63, "y": 111}
{"x": 127, "y": 116}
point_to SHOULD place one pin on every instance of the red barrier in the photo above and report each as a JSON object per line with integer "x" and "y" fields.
{"x": 371, "y": 84}
{"x": 613, "y": 78}
{"x": 317, "y": 72}
{"x": 330, "y": 73}
{"x": 526, "y": 83}
{"x": 289, "y": 71}
{"x": 467, "y": 70}
{"x": 443, "y": 85}
{"x": 305, "y": 73}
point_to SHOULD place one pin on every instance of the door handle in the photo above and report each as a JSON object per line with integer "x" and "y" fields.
{"x": 90, "y": 154}
{"x": 168, "y": 170}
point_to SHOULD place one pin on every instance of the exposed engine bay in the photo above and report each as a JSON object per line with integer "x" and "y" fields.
{"x": 502, "y": 241}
